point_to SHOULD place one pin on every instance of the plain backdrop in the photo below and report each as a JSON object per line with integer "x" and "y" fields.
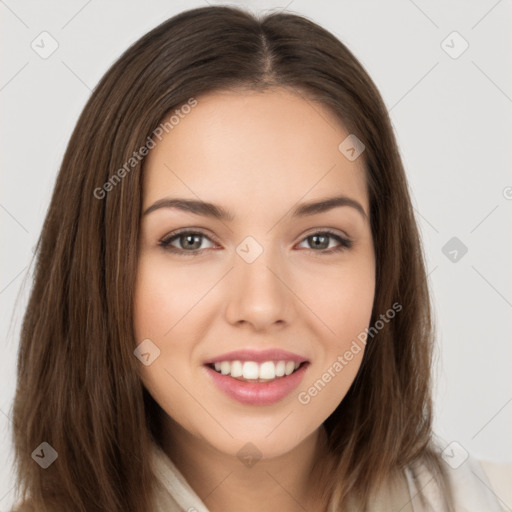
{"x": 451, "y": 111}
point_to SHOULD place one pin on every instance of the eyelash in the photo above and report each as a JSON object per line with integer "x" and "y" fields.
{"x": 345, "y": 243}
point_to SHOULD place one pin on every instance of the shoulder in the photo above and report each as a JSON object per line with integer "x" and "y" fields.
{"x": 471, "y": 488}
{"x": 500, "y": 478}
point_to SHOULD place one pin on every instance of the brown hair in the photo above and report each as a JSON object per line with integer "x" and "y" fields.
{"x": 78, "y": 387}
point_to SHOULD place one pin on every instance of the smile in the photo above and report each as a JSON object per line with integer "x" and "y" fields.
{"x": 257, "y": 377}
{"x": 251, "y": 371}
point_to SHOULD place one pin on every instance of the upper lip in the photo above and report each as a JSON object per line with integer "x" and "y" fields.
{"x": 258, "y": 356}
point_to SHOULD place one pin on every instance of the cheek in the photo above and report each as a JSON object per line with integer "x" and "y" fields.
{"x": 340, "y": 349}
{"x": 164, "y": 308}
{"x": 163, "y": 297}
{"x": 161, "y": 300}
{"x": 342, "y": 299}
{"x": 343, "y": 305}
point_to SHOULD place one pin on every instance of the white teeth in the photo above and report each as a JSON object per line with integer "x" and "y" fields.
{"x": 251, "y": 370}
{"x": 280, "y": 366}
{"x": 288, "y": 369}
{"x": 236, "y": 369}
{"x": 267, "y": 370}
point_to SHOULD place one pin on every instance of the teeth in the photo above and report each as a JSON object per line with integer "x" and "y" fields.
{"x": 267, "y": 370}
{"x": 251, "y": 370}
{"x": 280, "y": 366}
{"x": 236, "y": 369}
{"x": 289, "y": 368}
{"x": 225, "y": 367}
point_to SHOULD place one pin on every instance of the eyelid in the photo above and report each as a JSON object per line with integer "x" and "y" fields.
{"x": 330, "y": 231}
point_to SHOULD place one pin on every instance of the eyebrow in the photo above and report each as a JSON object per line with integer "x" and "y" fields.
{"x": 218, "y": 212}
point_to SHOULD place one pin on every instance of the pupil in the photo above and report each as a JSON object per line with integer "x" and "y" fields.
{"x": 316, "y": 237}
{"x": 190, "y": 240}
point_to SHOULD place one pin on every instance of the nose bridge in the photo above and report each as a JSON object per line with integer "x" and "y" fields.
{"x": 257, "y": 293}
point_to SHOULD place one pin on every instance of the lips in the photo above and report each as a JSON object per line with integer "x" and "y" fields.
{"x": 258, "y": 356}
{"x": 257, "y": 377}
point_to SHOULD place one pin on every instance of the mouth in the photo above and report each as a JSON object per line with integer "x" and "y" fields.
{"x": 256, "y": 383}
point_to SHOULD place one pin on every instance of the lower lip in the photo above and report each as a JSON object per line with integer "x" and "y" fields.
{"x": 258, "y": 393}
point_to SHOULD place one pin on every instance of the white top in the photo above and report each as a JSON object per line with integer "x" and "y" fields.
{"x": 471, "y": 487}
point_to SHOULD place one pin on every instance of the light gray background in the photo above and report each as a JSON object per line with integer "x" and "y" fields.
{"x": 452, "y": 119}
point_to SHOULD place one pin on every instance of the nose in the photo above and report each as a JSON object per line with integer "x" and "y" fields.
{"x": 260, "y": 293}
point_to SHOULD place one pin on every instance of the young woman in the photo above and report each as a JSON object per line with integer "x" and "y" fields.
{"x": 230, "y": 308}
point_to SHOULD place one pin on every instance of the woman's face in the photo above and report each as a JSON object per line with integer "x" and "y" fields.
{"x": 263, "y": 279}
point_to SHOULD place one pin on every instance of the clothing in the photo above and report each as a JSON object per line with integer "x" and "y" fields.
{"x": 471, "y": 487}
{"x": 472, "y": 490}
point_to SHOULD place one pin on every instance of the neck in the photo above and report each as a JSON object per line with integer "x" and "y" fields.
{"x": 290, "y": 482}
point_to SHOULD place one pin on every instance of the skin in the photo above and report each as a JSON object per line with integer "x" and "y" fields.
{"x": 257, "y": 155}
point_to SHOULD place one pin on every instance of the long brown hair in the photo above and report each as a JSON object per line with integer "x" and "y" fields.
{"x": 78, "y": 387}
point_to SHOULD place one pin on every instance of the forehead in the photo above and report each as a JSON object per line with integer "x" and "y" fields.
{"x": 266, "y": 148}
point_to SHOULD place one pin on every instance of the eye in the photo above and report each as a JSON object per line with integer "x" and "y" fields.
{"x": 320, "y": 240}
{"x": 190, "y": 242}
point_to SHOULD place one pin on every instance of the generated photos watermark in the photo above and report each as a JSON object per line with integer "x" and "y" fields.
{"x": 172, "y": 121}
{"x": 304, "y": 397}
